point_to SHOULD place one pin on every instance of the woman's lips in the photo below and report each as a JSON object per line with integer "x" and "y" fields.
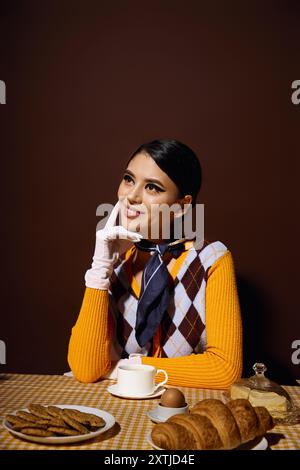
{"x": 132, "y": 214}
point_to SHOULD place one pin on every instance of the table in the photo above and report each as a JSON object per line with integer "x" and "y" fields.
{"x": 132, "y": 422}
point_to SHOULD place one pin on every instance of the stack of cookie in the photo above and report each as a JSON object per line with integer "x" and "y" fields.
{"x": 46, "y": 421}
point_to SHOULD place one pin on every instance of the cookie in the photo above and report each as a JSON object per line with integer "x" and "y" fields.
{"x": 39, "y": 410}
{"x": 25, "y": 424}
{"x": 56, "y": 422}
{"x": 96, "y": 421}
{"x": 63, "y": 431}
{"x": 86, "y": 419}
{"x": 54, "y": 411}
{"x": 37, "y": 432}
{"x": 74, "y": 424}
{"x": 12, "y": 419}
{"x": 77, "y": 415}
{"x": 29, "y": 417}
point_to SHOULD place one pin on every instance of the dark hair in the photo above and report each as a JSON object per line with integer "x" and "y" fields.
{"x": 178, "y": 161}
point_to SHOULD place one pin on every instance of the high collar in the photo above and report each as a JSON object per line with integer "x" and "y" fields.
{"x": 132, "y": 251}
{"x": 170, "y": 245}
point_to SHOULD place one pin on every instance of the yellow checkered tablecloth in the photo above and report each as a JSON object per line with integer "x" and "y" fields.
{"x": 132, "y": 422}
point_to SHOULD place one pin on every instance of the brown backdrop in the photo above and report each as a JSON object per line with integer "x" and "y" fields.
{"x": 89, "y": 81}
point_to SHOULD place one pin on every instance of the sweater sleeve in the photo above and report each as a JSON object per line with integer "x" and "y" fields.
{"x": 221, "y": 363}
{"x": 90, "y": 342}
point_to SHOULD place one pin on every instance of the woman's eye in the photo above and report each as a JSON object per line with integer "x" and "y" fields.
{"x": 127, "y": 178}
{"x": 154, "y": 188}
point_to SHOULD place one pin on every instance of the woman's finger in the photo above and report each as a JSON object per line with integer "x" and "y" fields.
{"x": 121, "y": 232}
{"x": 111, "y": 221}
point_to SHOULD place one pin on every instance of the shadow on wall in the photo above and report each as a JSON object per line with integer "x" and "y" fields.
{"x": 256, "y": 316}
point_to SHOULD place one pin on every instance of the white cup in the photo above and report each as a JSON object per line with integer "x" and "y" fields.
{"x": 164, "y": 412}
{"x": 138, "y": 379}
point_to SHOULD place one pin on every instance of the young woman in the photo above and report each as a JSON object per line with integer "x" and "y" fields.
{"x": 164, "y": 302}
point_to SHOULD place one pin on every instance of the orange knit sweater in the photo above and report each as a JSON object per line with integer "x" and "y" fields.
{"x": 218, "y": 367}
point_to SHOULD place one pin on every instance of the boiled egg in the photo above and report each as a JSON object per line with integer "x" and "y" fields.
{"x": 172, "y": 398}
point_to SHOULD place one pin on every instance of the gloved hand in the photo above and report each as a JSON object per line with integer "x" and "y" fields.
{"x": 133, "y": 359}
{"x": 111, "y": 242}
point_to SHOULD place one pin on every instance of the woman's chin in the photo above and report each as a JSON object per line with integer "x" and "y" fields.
{"x": 135, "y": 225}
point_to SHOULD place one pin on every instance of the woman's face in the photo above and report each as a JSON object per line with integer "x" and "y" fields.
{"x": 143, "y": 189}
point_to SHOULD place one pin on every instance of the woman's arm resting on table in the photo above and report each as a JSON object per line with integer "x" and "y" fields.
{"x": 90, "y": 342}
{"x": 221, "y": 363}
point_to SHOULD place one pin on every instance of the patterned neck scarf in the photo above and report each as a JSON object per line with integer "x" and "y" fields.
{"x": 154, "y": 296}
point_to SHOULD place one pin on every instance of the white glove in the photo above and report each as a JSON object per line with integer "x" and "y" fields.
{"x": 133, "y": 359}
{"x": 111, "y": 242}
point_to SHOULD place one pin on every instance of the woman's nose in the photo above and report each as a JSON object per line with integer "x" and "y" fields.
{"x": 134, "y": 196}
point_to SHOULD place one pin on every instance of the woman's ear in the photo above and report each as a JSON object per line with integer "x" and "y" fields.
{"x": 186, "y": 204}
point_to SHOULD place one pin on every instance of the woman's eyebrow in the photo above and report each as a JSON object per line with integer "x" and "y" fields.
{"x": 148, "y": 180}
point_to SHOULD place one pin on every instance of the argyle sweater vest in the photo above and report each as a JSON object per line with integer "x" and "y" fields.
{"x": 183, "y": 324}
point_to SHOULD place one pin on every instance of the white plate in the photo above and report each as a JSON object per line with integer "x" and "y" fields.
{"x": 108, "y": 418}
{"x": 261, "y": 445}
{"x": 113, "y": 389}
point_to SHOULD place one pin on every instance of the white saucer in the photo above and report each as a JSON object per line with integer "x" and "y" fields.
{"x": 152, "y": 414}
{"x": 113, "y": 389}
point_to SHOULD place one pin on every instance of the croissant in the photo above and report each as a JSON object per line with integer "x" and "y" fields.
{"x": 172, "y": 436}
{"x": 213, "y": 425}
